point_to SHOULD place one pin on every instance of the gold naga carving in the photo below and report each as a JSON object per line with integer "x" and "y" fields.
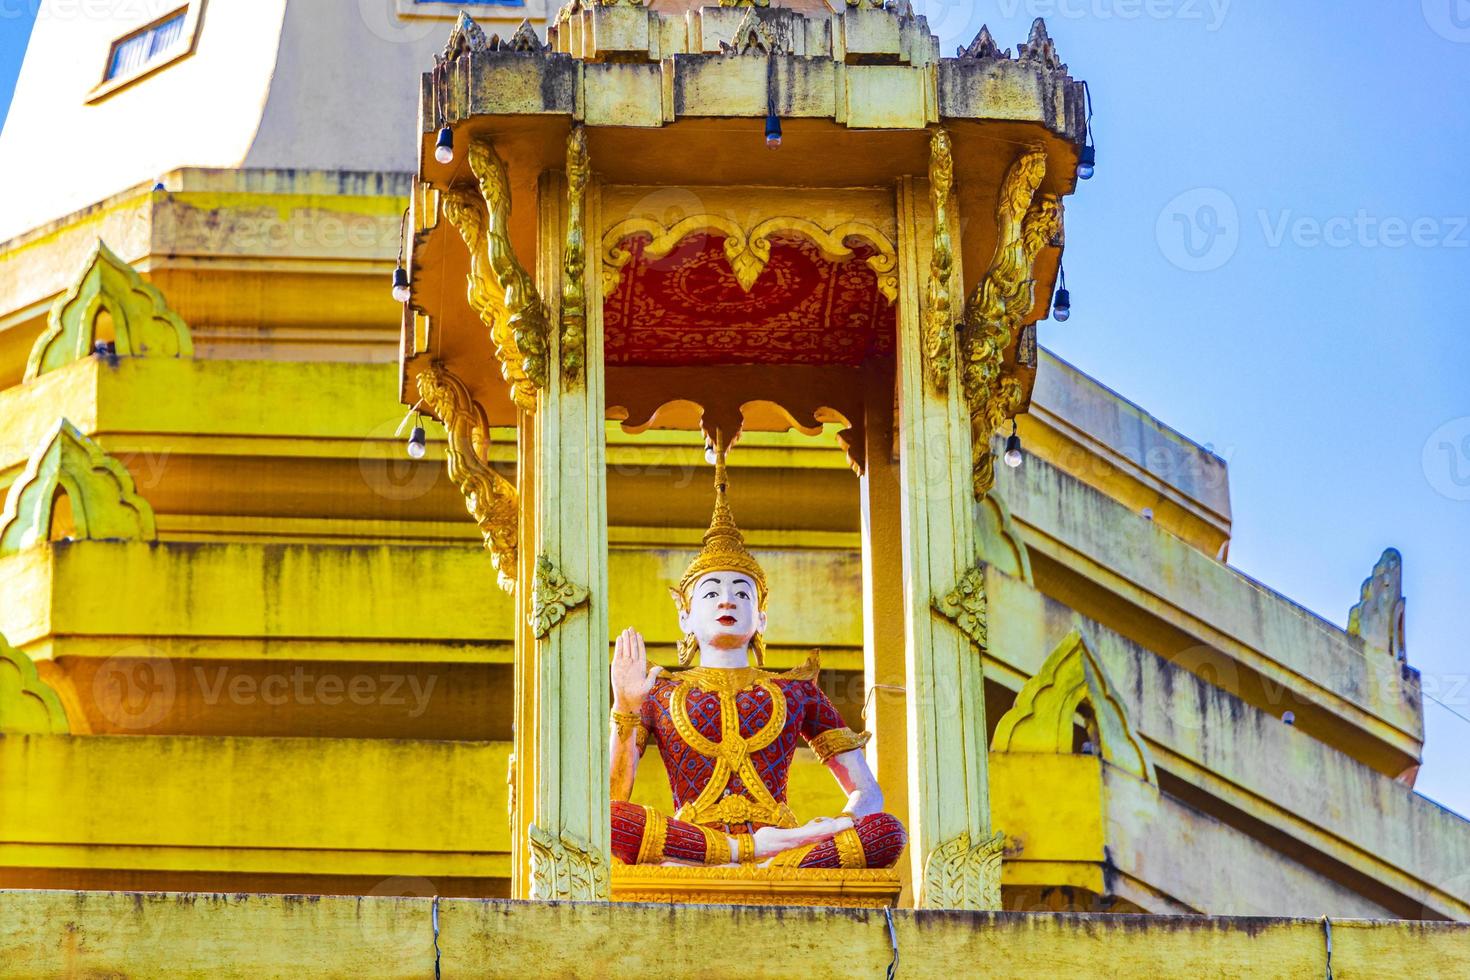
{"x": 565, "y": 869}
{"x": 552, "y": 597}
{"x": 28, "y": 705}
{"x": 965, "y": 606}
{"x": 142, "y": 323}
{"x": 104, "y": 501}
{"x": 1043, "y": 717}
{"x": 1001, "y": 300}
{"x": 748, "y": 251}
{"x": 500, "y": 290}
{"x": 490, "y": 498}
{"x": 961, "y": 875}
{"x": 574, "y": 259}
{"x": 938, "y": 320}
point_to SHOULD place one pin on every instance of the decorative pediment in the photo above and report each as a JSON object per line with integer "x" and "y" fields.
{"x": 1001, "y": 544}
{"x": 466, "y": 38}
{"x": 28, "y": 705}
{"x": 1043, "y": 717}
{"x": 1040, "y": 50}
{"x": 983, "y": 47}
{"x": 1379, "y": 615}
{"x": 104, "y": 502}
{"x": 142, "y": 323}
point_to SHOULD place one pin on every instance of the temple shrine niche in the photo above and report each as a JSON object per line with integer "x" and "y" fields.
{"x": 739, "y": 220}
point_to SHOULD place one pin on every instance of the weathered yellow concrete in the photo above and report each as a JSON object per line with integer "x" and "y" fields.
{"x": 129, "y": 935}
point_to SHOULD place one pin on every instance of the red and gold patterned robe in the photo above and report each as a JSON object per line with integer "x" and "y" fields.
{"x": 727, "y": 738}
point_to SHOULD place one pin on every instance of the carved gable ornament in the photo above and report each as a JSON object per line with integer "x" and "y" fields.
{"x": 28, "y": 705}
{"x": 1043, "y": 717}
{"x": 104, "y": 501}
{"x": 1379, "y": 615}
{"x": 142, "y": 323}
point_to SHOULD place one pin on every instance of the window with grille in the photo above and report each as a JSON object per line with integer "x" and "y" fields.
{"x": 135, "y": 52}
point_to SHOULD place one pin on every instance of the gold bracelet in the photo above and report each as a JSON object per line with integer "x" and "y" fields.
{"x": 625, "y": 722}
{"x": 745, "y": 848}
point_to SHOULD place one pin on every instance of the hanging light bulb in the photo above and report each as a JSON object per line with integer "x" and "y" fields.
{"x": 444, "y": 148}
{"x": 1061, "y": 307}
{"x": 400, "y": 285}
{"x": 773, "y": 131}
{"x": 1013, "y": 448}
{"x": 1087, "y": 165}
{"x": 417, "y": 443}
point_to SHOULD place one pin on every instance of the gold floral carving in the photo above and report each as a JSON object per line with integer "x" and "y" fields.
{"x": 565, "y": 869}
{"x": 490, "y": 498}
{"x": 938, "y": 320}
{"x": 999, "y": 304}
{"x": 748, "y": 251}
{"x": 958, "y": 875}
{"x": 500, "y": 290}
{"x": 574, "y": 259}
{"x": 964, "y": 605}
{"x": 552, "y": 597}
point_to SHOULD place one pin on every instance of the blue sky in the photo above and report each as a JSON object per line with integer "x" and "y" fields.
{"x": 1273, "y": 259}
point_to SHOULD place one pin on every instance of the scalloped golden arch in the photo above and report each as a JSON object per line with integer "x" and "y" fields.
{"x": 28, "y": 705}
{"x": 749, "y": 250}
{"x": 1041, "y": 721}
{"x": 143, "y": 324}
{"x": 104, "y": 501}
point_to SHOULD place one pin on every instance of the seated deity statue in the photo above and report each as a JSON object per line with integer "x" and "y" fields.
{"x": 727, "y": 732}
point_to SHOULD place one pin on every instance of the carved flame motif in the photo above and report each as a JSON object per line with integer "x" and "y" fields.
{"x": 565, "y": 869}
{"x": 489, "y": 497}
{"x": 999, "y": 304}
{"x": 958, "y": 875}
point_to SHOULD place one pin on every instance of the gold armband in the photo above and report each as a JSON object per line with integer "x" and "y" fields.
{"x": 655, "y": 833}
{"x": 625, "y": 722}
{"x": 850, "y": 850}
{"x": 835, "y": 741}
{"x": 716, "y": 846}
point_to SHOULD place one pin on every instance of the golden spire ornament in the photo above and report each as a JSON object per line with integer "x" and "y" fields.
{"x": 724, "y": 551}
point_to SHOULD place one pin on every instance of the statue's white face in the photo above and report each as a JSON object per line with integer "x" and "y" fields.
{"x": 723, "y": 611}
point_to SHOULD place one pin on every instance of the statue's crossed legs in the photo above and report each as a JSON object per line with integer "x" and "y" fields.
{"x": 643, "y": 835}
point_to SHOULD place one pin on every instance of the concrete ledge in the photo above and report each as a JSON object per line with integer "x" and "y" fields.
{"x": 129, "y": 934}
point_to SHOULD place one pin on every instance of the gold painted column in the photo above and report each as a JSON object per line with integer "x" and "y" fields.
{"x": 883, "y": 605}
{"x": 955, "y": 861}
{"x": 564, "y": 610}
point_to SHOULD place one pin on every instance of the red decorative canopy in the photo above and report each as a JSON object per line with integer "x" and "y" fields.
{"x": 688, "y": 307}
